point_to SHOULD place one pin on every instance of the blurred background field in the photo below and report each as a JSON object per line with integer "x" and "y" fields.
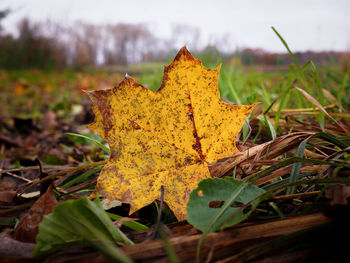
{"x": 30, "y": 91}
{"x": 45, "y": 64}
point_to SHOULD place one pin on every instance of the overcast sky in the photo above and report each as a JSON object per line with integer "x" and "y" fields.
{"x": 305, "y": 24}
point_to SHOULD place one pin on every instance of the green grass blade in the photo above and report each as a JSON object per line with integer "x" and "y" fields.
{"x": 293, "y": 160}
{"x": 342, "y": 92}
{"x": 308, "y": 64}
{"x": 81, "y": 178}
{"x": 270, "y": 127}
{"x": 281, "y": 106}
{"x": 233, "y": 91}
{"x": 300, "y": 153}
{"x": 167, "y": 246}
{"x": 287, "y": 47}
{"x": 277, "y": 210}
{"x": 103, "y": 147}
{"x": 269, "y": 193}
{"x": 296, "y": 167}
{"x": 130, "y": 224}
{"x": 266, "y": 95}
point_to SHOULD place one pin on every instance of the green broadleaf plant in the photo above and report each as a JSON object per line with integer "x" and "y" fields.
{"x": 219, "y": 189}
{"x": 77, "y": 222}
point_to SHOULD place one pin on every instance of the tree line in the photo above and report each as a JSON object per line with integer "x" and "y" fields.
{"x": 50, "y": 45}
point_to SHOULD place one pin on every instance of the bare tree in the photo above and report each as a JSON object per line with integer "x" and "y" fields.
{"x": 3, "y": 14}
{"x": 86, "y": 44}
{"x": 127, "y": 43}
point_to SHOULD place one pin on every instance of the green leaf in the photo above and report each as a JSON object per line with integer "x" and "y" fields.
{"x": 201, "y": 215}
{"x": 76, "y": 222}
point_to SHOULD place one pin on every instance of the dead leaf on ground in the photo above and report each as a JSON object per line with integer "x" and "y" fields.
{"x": 339, "y": 193}
{"x": 27, "y": 228}
{"x": 165, "y": 138}
{"x": 49, "y": 121}
{"x": 7, "y": 192}
{"x": 13, "y": 248}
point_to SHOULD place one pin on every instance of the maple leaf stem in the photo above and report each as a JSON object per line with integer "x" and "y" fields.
{"x": 159, "y": 212}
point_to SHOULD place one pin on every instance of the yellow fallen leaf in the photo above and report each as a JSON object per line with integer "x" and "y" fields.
{"x": 19, "y": 90}
{"x": 164, "y": 138}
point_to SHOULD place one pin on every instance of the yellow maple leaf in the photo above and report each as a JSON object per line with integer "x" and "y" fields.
{"x": 164, "y": 138}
